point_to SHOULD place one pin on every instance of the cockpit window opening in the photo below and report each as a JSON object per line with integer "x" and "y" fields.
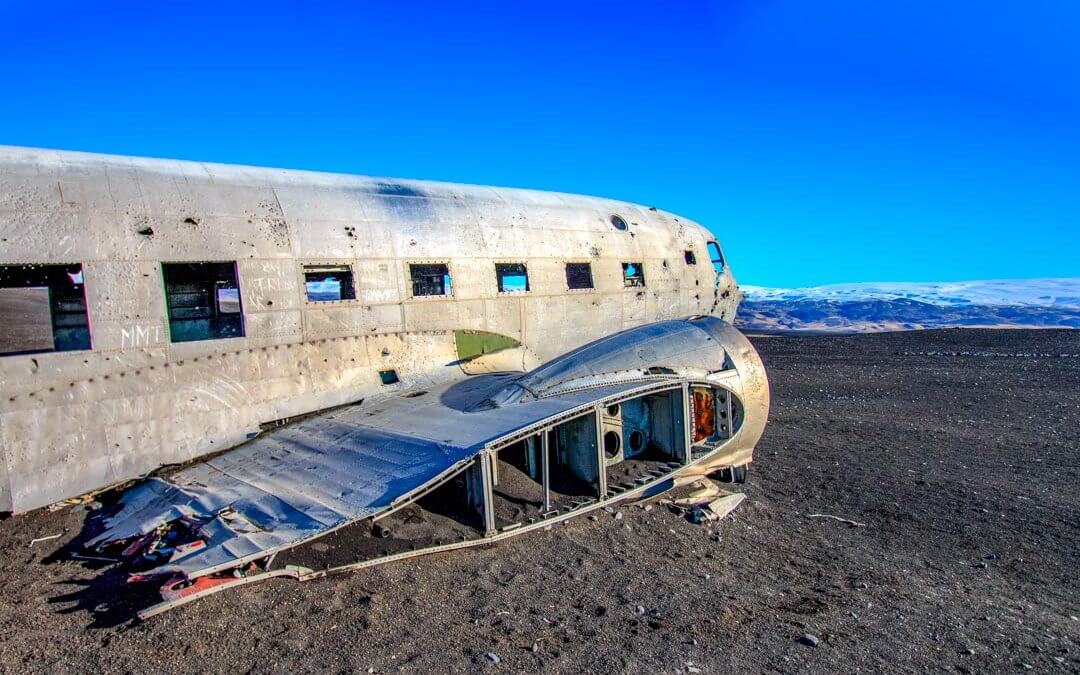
{"x": 512, "y": 277}
{"x": 203, "y": 301}
{"x": 618, "y": 223}
{"x": 43, "y": 309}
{"x": 633, "y": 274}
{"x": 430, "y": 279}
{"x": 578, "y": 276}
{"x": 329, "y": 283}
{"x": 715, "y": 256}
{"x": 691, "y": 259}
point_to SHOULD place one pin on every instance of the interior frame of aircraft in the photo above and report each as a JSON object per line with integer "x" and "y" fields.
{"x": 273, "y": 357}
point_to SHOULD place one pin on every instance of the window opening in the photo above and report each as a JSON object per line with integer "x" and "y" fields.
{"x": 430, "y": 279}
{"x": 715, "y": 256}
{"x": 579, "y": 275}
{"x": 203, "y": 301}
{"x": 512, "y": 277}
{"x": 43, "y": 309}
{"x": 633, "y": 275}
{"x": 329, "y": 283}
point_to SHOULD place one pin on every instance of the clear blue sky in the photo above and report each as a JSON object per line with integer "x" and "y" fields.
{"x": 822, "y": 141}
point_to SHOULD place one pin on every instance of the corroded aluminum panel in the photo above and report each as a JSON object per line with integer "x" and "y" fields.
{"x": 270, "y": 285}
{"x": 141, "y": 418}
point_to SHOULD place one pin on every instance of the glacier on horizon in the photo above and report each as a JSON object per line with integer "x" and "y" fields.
{"x": 881, "y": 306}
{"x": 1064, "y": 293}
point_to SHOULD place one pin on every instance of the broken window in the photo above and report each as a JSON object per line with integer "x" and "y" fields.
{"x": 691, "y": 259}
{"x": 633, "y": 275}
{"x": 42, "y": 309}
{"x": 328, "y": 283}
{"x": 203, "y": 300}
{"x": 389, "y": 376}
{"x": 715, "y": 256}
{"x": 430, "y": 279}
{"x": 578, "y": 275}
{"x": 512, "y": 277}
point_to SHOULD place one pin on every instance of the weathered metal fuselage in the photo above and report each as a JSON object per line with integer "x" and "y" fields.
{"x": 135, "y": 399}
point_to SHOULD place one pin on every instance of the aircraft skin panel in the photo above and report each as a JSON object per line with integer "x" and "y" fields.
{"x": 137, "y": 398}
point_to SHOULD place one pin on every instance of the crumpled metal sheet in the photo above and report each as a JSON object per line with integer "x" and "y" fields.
{"x": 288, "y": 486}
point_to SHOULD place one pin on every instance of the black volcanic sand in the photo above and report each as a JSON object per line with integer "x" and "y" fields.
{"x": 964, "y": 470}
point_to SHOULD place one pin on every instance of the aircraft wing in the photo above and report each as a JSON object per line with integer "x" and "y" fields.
{"x": 615, "y": 417}
{"x": 329, "y": 470}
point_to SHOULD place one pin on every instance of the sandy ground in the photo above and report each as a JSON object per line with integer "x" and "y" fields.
{"x": 965, "y": 470}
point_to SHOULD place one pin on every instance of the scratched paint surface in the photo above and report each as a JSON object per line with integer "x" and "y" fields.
{"x": 73, "y": 421}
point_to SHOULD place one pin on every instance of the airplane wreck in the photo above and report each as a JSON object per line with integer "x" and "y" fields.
{"x": 277, "y": 359}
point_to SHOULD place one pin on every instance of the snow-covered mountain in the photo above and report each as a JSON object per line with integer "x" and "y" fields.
{"x": 866, "y": 307}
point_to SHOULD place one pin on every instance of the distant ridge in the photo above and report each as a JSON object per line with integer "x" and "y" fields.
{"x": 885, "y": 306}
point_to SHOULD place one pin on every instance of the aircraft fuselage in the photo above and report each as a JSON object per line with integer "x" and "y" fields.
{"x": 156, "y": 311}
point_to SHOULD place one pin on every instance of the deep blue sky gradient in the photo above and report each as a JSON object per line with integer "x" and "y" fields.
{"x": 822, "y": 141}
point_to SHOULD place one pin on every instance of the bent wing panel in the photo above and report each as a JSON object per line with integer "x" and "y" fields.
{"x": 322, "y": 473}
{"x": 281, "y": 489}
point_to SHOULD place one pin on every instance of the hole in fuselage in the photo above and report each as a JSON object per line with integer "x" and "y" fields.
{"x": 612, "y": 443}
{"x": 649, "y": 437}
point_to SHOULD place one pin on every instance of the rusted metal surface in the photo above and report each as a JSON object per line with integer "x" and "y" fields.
{"x": 704, "y": 413}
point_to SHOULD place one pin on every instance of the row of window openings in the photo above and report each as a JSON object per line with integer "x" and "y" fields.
{"x": 434, "y": 279}
{"x": 330, "y": 284}
{"x": 43, "y": 307}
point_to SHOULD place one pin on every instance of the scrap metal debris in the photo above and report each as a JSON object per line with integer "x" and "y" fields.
{"x": 74, "y": 501}
{"x": 842, "y": 520}
{"x": 718, "y": 508}
{"x": 708, "y": 502}
{"x": 706, "y": 490}
{"x": 94, "y": 558}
